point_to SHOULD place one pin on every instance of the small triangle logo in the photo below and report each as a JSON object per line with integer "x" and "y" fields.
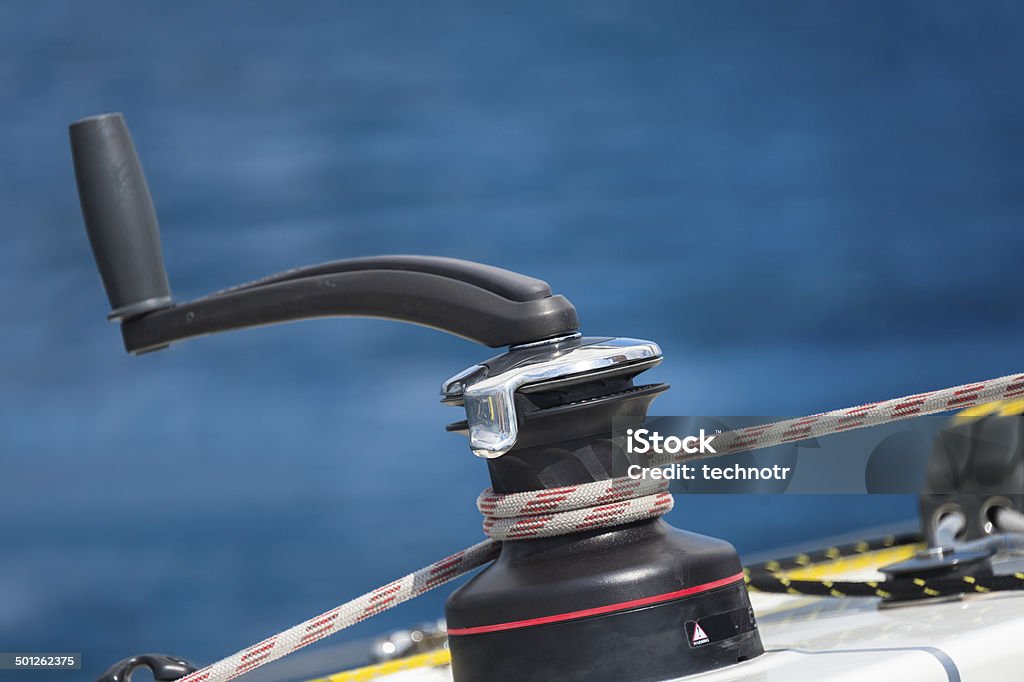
{"x": 699, "y": 636}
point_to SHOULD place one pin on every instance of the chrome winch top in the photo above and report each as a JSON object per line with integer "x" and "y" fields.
{"x": 486, "y": 390}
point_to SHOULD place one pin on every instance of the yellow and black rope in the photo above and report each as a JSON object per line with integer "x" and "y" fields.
{"x": 774, "y": 576}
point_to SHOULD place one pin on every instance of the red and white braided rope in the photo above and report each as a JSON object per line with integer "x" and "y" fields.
{"x": 559, "y": 511}
{"x": 532, "y": 514}
{"x": 547, "y": 513}
{"x": 872, "y": 414}
{"x": 346, "y": 615}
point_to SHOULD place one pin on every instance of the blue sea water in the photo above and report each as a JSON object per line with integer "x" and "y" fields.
{"x": 808, "y": 205}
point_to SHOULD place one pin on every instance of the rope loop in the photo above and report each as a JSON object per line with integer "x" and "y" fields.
{"x": 558, "y": 511}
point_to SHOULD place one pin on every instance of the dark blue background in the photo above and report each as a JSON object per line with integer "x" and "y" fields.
{"x": 807, "y": 204}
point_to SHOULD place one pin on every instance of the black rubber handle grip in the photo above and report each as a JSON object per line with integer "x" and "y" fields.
{"x": 119, "y": 216}
{"x": 489, "y": 305}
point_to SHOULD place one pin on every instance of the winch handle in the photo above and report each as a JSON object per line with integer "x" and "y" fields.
{"x": 478, "y": 302}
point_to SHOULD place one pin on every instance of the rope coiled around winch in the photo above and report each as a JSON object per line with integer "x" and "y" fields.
{"x": 602, "y": 504}
{"x": 571, "y": 509}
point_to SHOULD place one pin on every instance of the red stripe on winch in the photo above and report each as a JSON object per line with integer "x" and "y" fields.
{"x": 599, "y": 610}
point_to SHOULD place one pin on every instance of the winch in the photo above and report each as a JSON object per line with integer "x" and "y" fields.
{"x": 640, "y": 601}
{"x": 598, "y": 601}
